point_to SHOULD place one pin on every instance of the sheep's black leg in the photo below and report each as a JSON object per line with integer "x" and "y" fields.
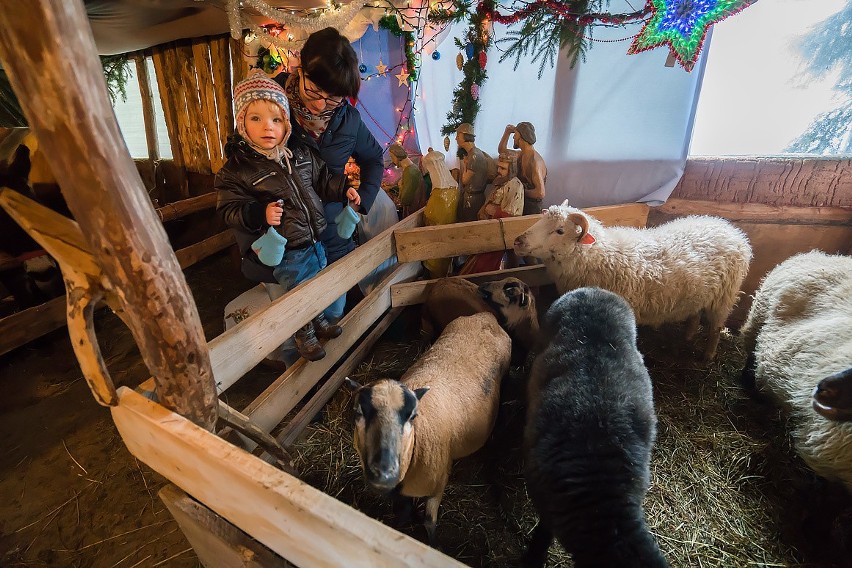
{"x": 747, "y": 377}
{"x": 536, "y": 554}
{"x": 403, "y": 507}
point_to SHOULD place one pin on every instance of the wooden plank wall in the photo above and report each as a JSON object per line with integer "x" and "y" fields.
{"x": 804, "y": 182}
{"x": 194, "y": 78}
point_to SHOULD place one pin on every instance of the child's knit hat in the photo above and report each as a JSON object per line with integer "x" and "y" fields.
{"x": 257, "y": 86}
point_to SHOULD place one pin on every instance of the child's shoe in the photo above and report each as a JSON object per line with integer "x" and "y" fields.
{"x": 307, "y": 344}
{"x": 325, "y": 330}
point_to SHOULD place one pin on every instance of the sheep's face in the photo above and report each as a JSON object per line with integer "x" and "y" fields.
{"x": 833, "y": 396}
{"x": 557, "y": 231}
{"x": 510, "y": 298}
{"x": 384, "y": 436}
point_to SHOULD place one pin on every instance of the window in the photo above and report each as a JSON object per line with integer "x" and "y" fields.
{"x": 778, "y": 81}
{"x": 132, "y": 123}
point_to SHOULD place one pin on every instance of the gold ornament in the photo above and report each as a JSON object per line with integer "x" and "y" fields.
{"x": 460, "y": 61}
{"x": 381, "y": 67}
{"x": 402, "y": 78}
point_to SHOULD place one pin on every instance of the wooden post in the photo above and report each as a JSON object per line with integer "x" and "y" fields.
{"x": 147, "y": 106}
{"x": 74, "y": 122}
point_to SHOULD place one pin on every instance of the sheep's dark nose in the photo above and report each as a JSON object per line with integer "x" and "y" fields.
{"x": 384, "y": 475}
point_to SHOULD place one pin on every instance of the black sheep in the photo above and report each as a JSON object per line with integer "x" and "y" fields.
{"x": 589, "y": 433}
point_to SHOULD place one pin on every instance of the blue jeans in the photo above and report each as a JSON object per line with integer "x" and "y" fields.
{"x": 299, "y": 265}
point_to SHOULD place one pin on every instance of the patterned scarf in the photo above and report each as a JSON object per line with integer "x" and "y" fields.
{"x": 314, "y": 125}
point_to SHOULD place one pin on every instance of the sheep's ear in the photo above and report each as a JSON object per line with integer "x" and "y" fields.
{"x": 580, "y": 220}
{"x": 420, "y": 392}
{"x": 544, "y": 211}
{"x": 565, "y": 203}
{"x": 352, "y": 384}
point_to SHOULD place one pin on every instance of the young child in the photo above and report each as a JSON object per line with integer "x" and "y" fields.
{"x": 267, "y": 184}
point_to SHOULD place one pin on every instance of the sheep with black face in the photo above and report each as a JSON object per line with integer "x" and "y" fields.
{"x": 514, "y": 304}
{"x": 408, "y": 432}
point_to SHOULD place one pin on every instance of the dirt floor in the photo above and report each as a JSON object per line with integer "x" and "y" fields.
{"x": 726, "y": 489}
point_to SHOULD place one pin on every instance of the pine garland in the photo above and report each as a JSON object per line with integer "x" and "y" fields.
{"x": 465, "y": 103}
{"x": 391, "y": 24}
{"x": 116, "y": 73}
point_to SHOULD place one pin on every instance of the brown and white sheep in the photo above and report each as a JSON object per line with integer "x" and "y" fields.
{"x": 408, "y": 432}
{"x": 798, "y": 333}
{"x": 670, "y": 273}
{"x": 446, "y": 300}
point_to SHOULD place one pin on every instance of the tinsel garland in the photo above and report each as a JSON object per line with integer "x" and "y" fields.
{"x": 335, "y": 18}
{"x": 391, "y": 24}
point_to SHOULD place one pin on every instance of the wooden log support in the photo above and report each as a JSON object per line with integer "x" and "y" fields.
{"x": 209, "y": 122}
{"x": 162, "y": 72}
{"x": 216, "y": 541}
{"x": 440, "y": 241}
{"x": 188, "y": 256}
{"x": 184, "y": 207}
{"x": 144, "y": 79}
{"x": 190, "y": 117}
{"x": 105, "y": 193}
{"x": 293, "y": 519}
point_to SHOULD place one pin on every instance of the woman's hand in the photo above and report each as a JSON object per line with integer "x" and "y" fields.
{"x": 352, "y": 195}
{"x": 273, "y": 213}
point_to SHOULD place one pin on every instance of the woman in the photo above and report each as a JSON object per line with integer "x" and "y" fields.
{"x": 323, "y": 118}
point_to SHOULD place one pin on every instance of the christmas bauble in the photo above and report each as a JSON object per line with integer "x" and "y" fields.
{"x": 468, "y": 49}
{"x": 483, "y": 59}
{"x": 362, "y": 68}
{"x": 459, "y": 61}
{"x": 436, "y": 55}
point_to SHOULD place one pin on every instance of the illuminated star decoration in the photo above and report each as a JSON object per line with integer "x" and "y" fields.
{"x": 683, "y": 24}
{"x": 381, "y": 67}
{"x": 403, "y": 78}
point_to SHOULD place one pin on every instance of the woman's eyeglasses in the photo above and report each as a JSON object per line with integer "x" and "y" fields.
{"x": 316, "y": 95}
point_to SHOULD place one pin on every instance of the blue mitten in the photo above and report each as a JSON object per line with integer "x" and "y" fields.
{"x": 269, "y": 248}
{"x": 346, "y": 221}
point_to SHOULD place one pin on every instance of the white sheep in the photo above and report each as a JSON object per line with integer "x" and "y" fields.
{"x": 669, "y": 273}
{"x": 408, "y": 432}
{"x": 798, "y": 332}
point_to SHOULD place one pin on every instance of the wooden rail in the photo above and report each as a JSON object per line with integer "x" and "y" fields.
{"x": 27, "y": 325}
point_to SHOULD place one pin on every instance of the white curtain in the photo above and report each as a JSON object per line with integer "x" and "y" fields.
{"x": 614, "y": 129}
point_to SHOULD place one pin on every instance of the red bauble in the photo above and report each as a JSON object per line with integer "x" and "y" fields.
{"x": 483, "y": 59}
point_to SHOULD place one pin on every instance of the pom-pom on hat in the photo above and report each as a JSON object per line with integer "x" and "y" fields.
{"x": 256, "y": 87}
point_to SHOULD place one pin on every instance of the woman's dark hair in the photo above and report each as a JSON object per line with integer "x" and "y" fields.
{"x": 329, "y": 61}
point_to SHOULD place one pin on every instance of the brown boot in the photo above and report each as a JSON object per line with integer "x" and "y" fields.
{"x": 307, "y": 344}
{"x": 325, "y": 330}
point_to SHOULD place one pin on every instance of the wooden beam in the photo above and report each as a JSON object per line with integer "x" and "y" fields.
{"x": 759, "y": 212}
{"x": 274, "y": 403}
{"x": 414, "y": 293}
{"x": 105, "y": 193}
{"x": 184, "y": 207}
{"x": 192, "y": 114}
{"x": 440, "y": 241}
{"x": 293, "y": 519}
{"x": 246, "y": 344}
{"x": 188, "y": 256}
{"x": 294, "y": 429}
{"x": 214, "y": 540}
{"x": 22, "y": 327}
{"x": 147, "y": 106}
